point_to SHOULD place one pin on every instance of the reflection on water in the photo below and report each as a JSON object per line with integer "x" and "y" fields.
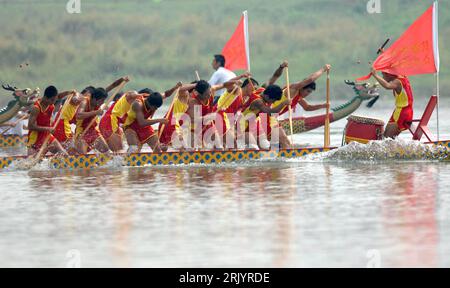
{"x": 276, "y": 215}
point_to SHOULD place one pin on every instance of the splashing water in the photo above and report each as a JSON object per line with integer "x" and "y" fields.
{"x": 385, "y": 150}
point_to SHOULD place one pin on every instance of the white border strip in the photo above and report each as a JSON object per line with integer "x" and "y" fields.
{"x": 436, "y": 36}
{"x": 247, "y": 46}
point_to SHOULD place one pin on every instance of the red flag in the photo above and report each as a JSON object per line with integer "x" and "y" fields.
{"x": 415, "y": 52}
{"x": 236, "y": 51}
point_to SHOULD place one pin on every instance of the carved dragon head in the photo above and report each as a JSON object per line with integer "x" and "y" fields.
{"x": 24, "y": 97}
{"x": 366, "y": 91}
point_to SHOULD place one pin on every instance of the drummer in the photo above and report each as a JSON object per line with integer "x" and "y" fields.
{"x": 402, "y": 116}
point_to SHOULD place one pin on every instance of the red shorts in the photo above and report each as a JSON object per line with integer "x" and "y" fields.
{"x": 60, "y": 133}
{"x": 41, "y": 139}
{"x": 143, "y": 132}
{"x": 166, "y": 136}
{"x": 91, "y": 136}
{"x": 402, "y": 117}
{"x": 108, "y": 126}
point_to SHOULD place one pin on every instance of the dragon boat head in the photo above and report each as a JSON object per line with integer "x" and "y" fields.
{"x": 366, "y": 91}
{"x": 24, "y": 97}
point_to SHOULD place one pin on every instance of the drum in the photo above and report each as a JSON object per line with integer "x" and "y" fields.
{"x": 362, "y": 129}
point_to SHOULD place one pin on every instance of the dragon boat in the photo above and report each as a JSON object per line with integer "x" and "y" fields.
{"x": 359, "y": 129}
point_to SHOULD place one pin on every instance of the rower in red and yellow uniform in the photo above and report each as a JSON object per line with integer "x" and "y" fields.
{"x": 63, "y": 130}
{"x": 172, "y": 128}
{"x": 228, "y": 109}
{"x": 40, "y": 126}
{"x": 255, "y": 121}
{"x": 137, "y": 126}
{"x": 171, "y": 131}
{"x": 90, "y": 109}
{"x": 299, "y": 90}
{"x": 110, "y": 122}
{"x": 402, "y": 116}
{"x": 201, "y": 112}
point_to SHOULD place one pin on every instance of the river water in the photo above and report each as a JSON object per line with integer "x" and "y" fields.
{"x": 316, "y": 211}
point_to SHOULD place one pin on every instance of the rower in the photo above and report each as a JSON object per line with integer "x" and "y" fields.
{"x": 90, "y": 108}
{"x": 63, "y": 130}
{"x": 40, "y": 126}
{"x": 137, "y": 126}
{"x": 256, "y": 110}
{"x": 300, "y": 90}
{"x": 172, "y": 130}
{"x": 110, "y": 122}
{"x": 203, "y": 130}
{"x": 402, "y": 116}
{"x": 228, "y": 109}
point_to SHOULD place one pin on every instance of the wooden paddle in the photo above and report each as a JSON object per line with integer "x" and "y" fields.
{"x": 327, "y": 116}
{"x": 41, "y": 151}
{"x": 288, "y": 89}
{"x": 197, "y": 75}
{"x": 106, "y": 103}
{"x": 15, "y": 124}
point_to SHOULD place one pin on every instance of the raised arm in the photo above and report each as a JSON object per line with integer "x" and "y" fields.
{"x": 277, "y": 74}
{"x": 64, "y": 94}
{"x": 117, "y": 83}
{"x": 393, "y": 85}
{"x": 169, "y": 92}
{"x": 310, "y": 79}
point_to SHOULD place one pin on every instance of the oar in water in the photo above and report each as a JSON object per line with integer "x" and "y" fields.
{"x": 106, "y": 103}
{"x": 288, "y": 90}
{"x": 15, "y": 124}
{"x": 41, "y": 151}
{"x": 327, "y": 116}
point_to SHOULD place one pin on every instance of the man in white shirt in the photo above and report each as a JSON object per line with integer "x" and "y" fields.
{"x": 221, "y": 75}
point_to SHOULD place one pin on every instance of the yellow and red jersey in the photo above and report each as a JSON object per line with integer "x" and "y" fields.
{"x": 109, "y": 124}
{"x": 143, "y": 132}
{"x": 63, "y": 131}
{"x": 404, "y": 101}
{"x": 36, "y": 138}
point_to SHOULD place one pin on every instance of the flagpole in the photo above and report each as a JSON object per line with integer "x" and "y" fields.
{"x": 437, "y": 60}
{"x": 247, "y": 44}
{"x": 437, "y": 106}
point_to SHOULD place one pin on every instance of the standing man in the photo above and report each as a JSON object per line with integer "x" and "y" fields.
{"x": 221, "y": 75}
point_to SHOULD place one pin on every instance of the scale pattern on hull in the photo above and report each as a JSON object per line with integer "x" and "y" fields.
{"x": 12, "y": 140}
{"x": 169, "y": 158}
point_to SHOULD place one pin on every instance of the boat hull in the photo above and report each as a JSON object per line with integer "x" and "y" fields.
{"x": 91, "y": 161}
{"x": 12, "y": 140}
